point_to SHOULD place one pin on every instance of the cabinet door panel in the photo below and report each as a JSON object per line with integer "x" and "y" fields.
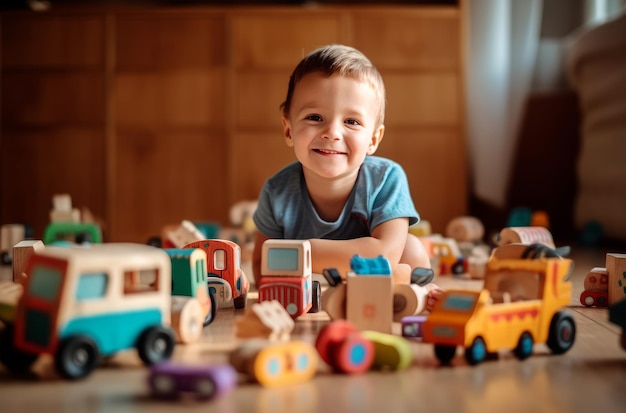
{"x": 45, "y": 98}
{"x": 410, "y": 40}
{"x": 162, "y": 178}
{"x": 279, "y": 41}
{"x": 259, "y": 96}
{"x": 36, "y": 165}
{"x": 262, "y": 155}
{"x": 48, "y": 41}
{"x": 422, "y": 99}
{"x": 172, "y": 99}
{"x": 167, "y": 42}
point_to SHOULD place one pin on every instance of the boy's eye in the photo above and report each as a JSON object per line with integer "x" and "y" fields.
{"x": 315, "y": 118}
{"x": 352, "y": 122}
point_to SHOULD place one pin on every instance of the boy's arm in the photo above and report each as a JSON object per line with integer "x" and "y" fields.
{"x": 388, "y": 239}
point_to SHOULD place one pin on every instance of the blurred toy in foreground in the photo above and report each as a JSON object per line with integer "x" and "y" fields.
{"x": 342, "y": 347}
{"x": 267, "y": 319}
{"x": 69, "y": 224}
{"x": 275, "y": 364}
{"x": 10, "y": 235}
{"x": 617, "y": 315}
{"x": 521, "y": 304}
{"x": 169, "y": 380}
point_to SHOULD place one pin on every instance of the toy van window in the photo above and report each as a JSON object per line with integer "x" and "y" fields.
{"x": 91, "y": 286}
{"x": 45, "y": 283}
{"x": 460, "y": 302}
{"x": 200, "y": 270}
{"x": 141, "y": 281}
{"x": 520, "y": 285}
{"x": 219, "y": 260}
{"x": 282, "y": 259}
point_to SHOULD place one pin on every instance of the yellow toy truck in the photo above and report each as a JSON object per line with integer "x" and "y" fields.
{"x": 520, "y": 305}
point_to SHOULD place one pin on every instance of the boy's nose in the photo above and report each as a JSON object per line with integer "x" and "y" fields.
{"x": 332, "y": 131}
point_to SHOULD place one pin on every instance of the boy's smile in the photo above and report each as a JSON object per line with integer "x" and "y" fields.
{"x": 332, "y": 125}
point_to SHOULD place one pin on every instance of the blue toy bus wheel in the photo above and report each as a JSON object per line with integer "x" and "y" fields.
{"x": 476, "y": 352}
{"x": 524, "y": 346}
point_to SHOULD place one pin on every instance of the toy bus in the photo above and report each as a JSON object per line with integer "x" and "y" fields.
{"x": 189, "y": 278}
{"x": 225, "y": 278}
{"x": 521, "y": 304}
{"x": 286, "y": 275}
{"x": 80, "y": 303}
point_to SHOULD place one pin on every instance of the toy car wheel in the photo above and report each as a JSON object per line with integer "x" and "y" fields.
{"x": 156, "y": 344}
{"x": 332, "y": 276}
{"x": 458, "y": 268}
{"x": 6, "y": 258}
{"x": 445, "y": 354}
{"x": 15, "y": 360}
{"x": 524, "y": 346}
{"x": 316, "y": 295}
{"x": 163, "y": 385}
{"x": 211, "y": 315}
{"x": 422, "y": 276}
{"x": 205, "y": 388}
{"x": 354, "y": 355}
{"x": 240, "y": 302}
{"x": 562, "y": 333}
{"x": 76, "y": 357}
{"x": 476, "y": 352}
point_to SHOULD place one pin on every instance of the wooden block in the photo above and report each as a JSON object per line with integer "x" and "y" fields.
{"x": 268, "y": 320}
{"x": 22, "y": 251}
{"x": 334, "y": 302}
{"x": 408, "y": 299}
{"x": 369, "y": 302}
{"x": 187, "y": 318}
{"x": 616, "y": 267}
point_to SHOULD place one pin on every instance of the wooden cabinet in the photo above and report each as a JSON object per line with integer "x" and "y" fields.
{"x": 156, "y": 115}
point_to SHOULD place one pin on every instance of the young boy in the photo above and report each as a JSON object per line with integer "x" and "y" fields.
{"x": 337, "y": 195}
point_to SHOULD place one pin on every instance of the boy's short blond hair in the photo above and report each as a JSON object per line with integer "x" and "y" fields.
{"x": 344, "y": 61}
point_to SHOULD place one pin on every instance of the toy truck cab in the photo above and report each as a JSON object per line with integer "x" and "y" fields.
{"x": 226, "y": 280}
{"x": 451, "y": 260}
{"x": 519, "y": 305}
{"x": 82, "y": 302}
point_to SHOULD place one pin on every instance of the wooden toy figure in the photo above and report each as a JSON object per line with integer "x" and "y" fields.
{"x": 80, "y": 303}
{"x": 596, "y": 288}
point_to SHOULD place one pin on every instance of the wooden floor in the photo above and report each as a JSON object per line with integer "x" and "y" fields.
{"x": 591, "y": 377}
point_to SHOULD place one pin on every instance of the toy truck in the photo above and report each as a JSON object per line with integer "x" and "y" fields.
{"x": 286, "y": 276}
{"x": 520, "y": 305}
{"x": 80, "y": 303}
{"x": 189, "y": 279}
{"x": 225, "y": 278}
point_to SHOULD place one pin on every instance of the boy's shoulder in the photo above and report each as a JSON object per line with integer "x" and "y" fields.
{"x": 291, "y": 172}
{"x": 379, "y": 165}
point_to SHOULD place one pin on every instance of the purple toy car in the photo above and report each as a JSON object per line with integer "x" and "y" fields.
{"x": 169, "y": 379}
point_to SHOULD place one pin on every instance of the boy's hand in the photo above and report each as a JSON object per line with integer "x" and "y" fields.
{"x": 434, "y": 294}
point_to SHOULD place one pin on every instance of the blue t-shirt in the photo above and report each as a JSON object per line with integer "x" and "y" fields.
{"x": 381, "y": 193}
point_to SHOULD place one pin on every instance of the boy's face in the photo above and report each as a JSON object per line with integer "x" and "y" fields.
{"x": 332, "y": 124}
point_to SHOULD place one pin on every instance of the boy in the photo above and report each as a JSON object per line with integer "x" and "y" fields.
{"x": 337, "y": 195}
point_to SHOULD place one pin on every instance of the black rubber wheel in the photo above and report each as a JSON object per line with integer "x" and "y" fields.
{"x": 211, "y": 316}
{"x": 524, "y": 347}
{"x": 422, "y": 276}
{"x": 445, "y": 354}
{"x": 240, "y": 302}
{"x": 6, "y": 258}
{"x": 316, "y": 295}
{"x": 156, "y": 344}
{"x": 562, "y": 333}
{"x": 16, "y": 361}
{"x": 332, "y": 276}
{"x": 76, "y": 357}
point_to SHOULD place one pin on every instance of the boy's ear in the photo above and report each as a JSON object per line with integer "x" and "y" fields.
{"x": 376, "y": 138}
{"x": 287, "y": 131}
